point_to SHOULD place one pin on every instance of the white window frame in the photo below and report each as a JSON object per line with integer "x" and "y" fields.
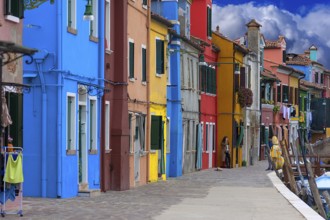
{"x": 130, "y": 130}
{"x": 107, "y": 126}
{"x": 95, "y": 22}
{"x": 92, "y": 124}
{"x": 72, "y": 125}
{"x": 107, "y": 24}
{"x": 73, "y": 14}
{"x": 168, "y": 135}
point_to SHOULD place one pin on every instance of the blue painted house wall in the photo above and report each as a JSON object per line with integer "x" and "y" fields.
{"x": 169, "y": 10}
{"x": 307, "y": 70}
{"x": 64, "y": 62}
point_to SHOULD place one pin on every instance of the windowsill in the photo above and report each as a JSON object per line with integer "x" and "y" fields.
{"x": 93, "y": 151}
{"x": 159, "y": 75}
{"x": 131, "y": 79}
{"x": 108, "y": 51}
{"x": 12, "y": 18}
{"x": 72, "y": 30}
{"x": 144, "y": 153}
{"x": 144, "y": 83}
{"x": 71, "y": 152}
{"x": 93, "y": 39}
{"x": 108, "y": 151}
{"x": 145, "y": 7}
{"x": 153, "y": 151}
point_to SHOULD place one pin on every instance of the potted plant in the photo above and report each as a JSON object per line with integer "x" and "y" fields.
{"x": 276, "y": 109}
{"x": 245, "y": 96}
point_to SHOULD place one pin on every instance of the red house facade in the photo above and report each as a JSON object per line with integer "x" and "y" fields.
{"x": 201, "y": 32}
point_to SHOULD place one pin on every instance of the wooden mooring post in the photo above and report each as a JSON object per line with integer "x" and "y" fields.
{"x": 287, "y": 169}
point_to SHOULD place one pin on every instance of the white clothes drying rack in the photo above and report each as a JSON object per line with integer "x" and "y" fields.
{"x": 19, "y": 197}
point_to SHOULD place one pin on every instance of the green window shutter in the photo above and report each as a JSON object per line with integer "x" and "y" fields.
{"x": 68, "y": 129}
{"x": 144, "y": 65}
{"x": 162, "y": 56}
{"x": 155, "y": 132}
{"x": 91, "y": 126}
{"x": 209, "y": 22}
{"x": 131, "y": 60}
{"x": 279, "y": 93}
{"x": 159, "y": 56}
{"x": 162, "y": 168}
{"x": 214, "y": 81}
{"x": 242, "y": 77}
{"x": 203, "y": 78}
{"x": 69, "y": 13}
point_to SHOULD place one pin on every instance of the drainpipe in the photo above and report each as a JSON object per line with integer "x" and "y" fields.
{"x": 101, "y": 73}
{"x": 59, "y": 100}
{"x": 148, "y": 118}
{"x": 43, "y": 128}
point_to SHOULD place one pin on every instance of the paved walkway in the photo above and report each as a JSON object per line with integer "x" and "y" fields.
{"x": 243, "y": 193}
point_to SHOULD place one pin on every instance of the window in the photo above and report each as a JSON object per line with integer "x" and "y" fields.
{"x": 188, "y": 21}
{"x": 279, "y": 93}
{"x": 130, "y": 132}
{"x": 209, "y": 21}
{"x": 144, "y": 3}
{"x": 296, "y": 96}
{"x": 93, "y": 31}
{"x": 144, "y": 63}
{"x": 291, "y": 89}
{"x": 159, "y": 56}
{"x": 107, "y": 126}
{"x": 107, "y": 25}
{"x": 71, "y": 13}
{"x": 14, "y": 8}
{"x": 316, "y": 77}
{"x": 208, "y": 79}
{"x": 92, "y": 124}
{"x": 157, "y": 131}
{"x": 322, "y": 78}
{"x": 242, "y": 77}
{"x": 207, "y": 137}
{"x": 284, "y": 56}
{"x": 71, "y": 122}
{"x": 131, "y": 59}
{"x": 285, "y": 93}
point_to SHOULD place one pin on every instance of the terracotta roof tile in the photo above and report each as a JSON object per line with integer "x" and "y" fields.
{"x": 297, "y": 59}
{"x": 311, "y": 85}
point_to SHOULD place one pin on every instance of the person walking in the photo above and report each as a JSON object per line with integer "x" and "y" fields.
{"x": 269, "y": 146}
{"x": 225, "y": 146}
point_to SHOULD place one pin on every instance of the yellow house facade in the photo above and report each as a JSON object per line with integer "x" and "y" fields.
{"x": 230, "y": 116}
{"x": 157, "y": 97}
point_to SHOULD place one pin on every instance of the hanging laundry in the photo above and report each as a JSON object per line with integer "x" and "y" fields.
{"x": 14, "y": 170}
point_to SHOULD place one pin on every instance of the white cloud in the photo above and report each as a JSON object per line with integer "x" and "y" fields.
{"x": 300, "y": 31}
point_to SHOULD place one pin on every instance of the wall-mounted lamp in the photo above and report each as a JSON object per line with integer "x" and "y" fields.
{"x": 88, "y": 15}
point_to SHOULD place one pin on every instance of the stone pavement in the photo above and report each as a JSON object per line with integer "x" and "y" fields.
{"x": 242, "y": 193}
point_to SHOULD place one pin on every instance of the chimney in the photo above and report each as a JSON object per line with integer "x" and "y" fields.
{"x": 313, "y": 53}
{"x": 218, "y": 29}
{"x": 253, "y": 36}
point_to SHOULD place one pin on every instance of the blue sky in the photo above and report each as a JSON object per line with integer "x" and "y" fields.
{"x": 302, "y": 22}
{"x": 294, "y": 6}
